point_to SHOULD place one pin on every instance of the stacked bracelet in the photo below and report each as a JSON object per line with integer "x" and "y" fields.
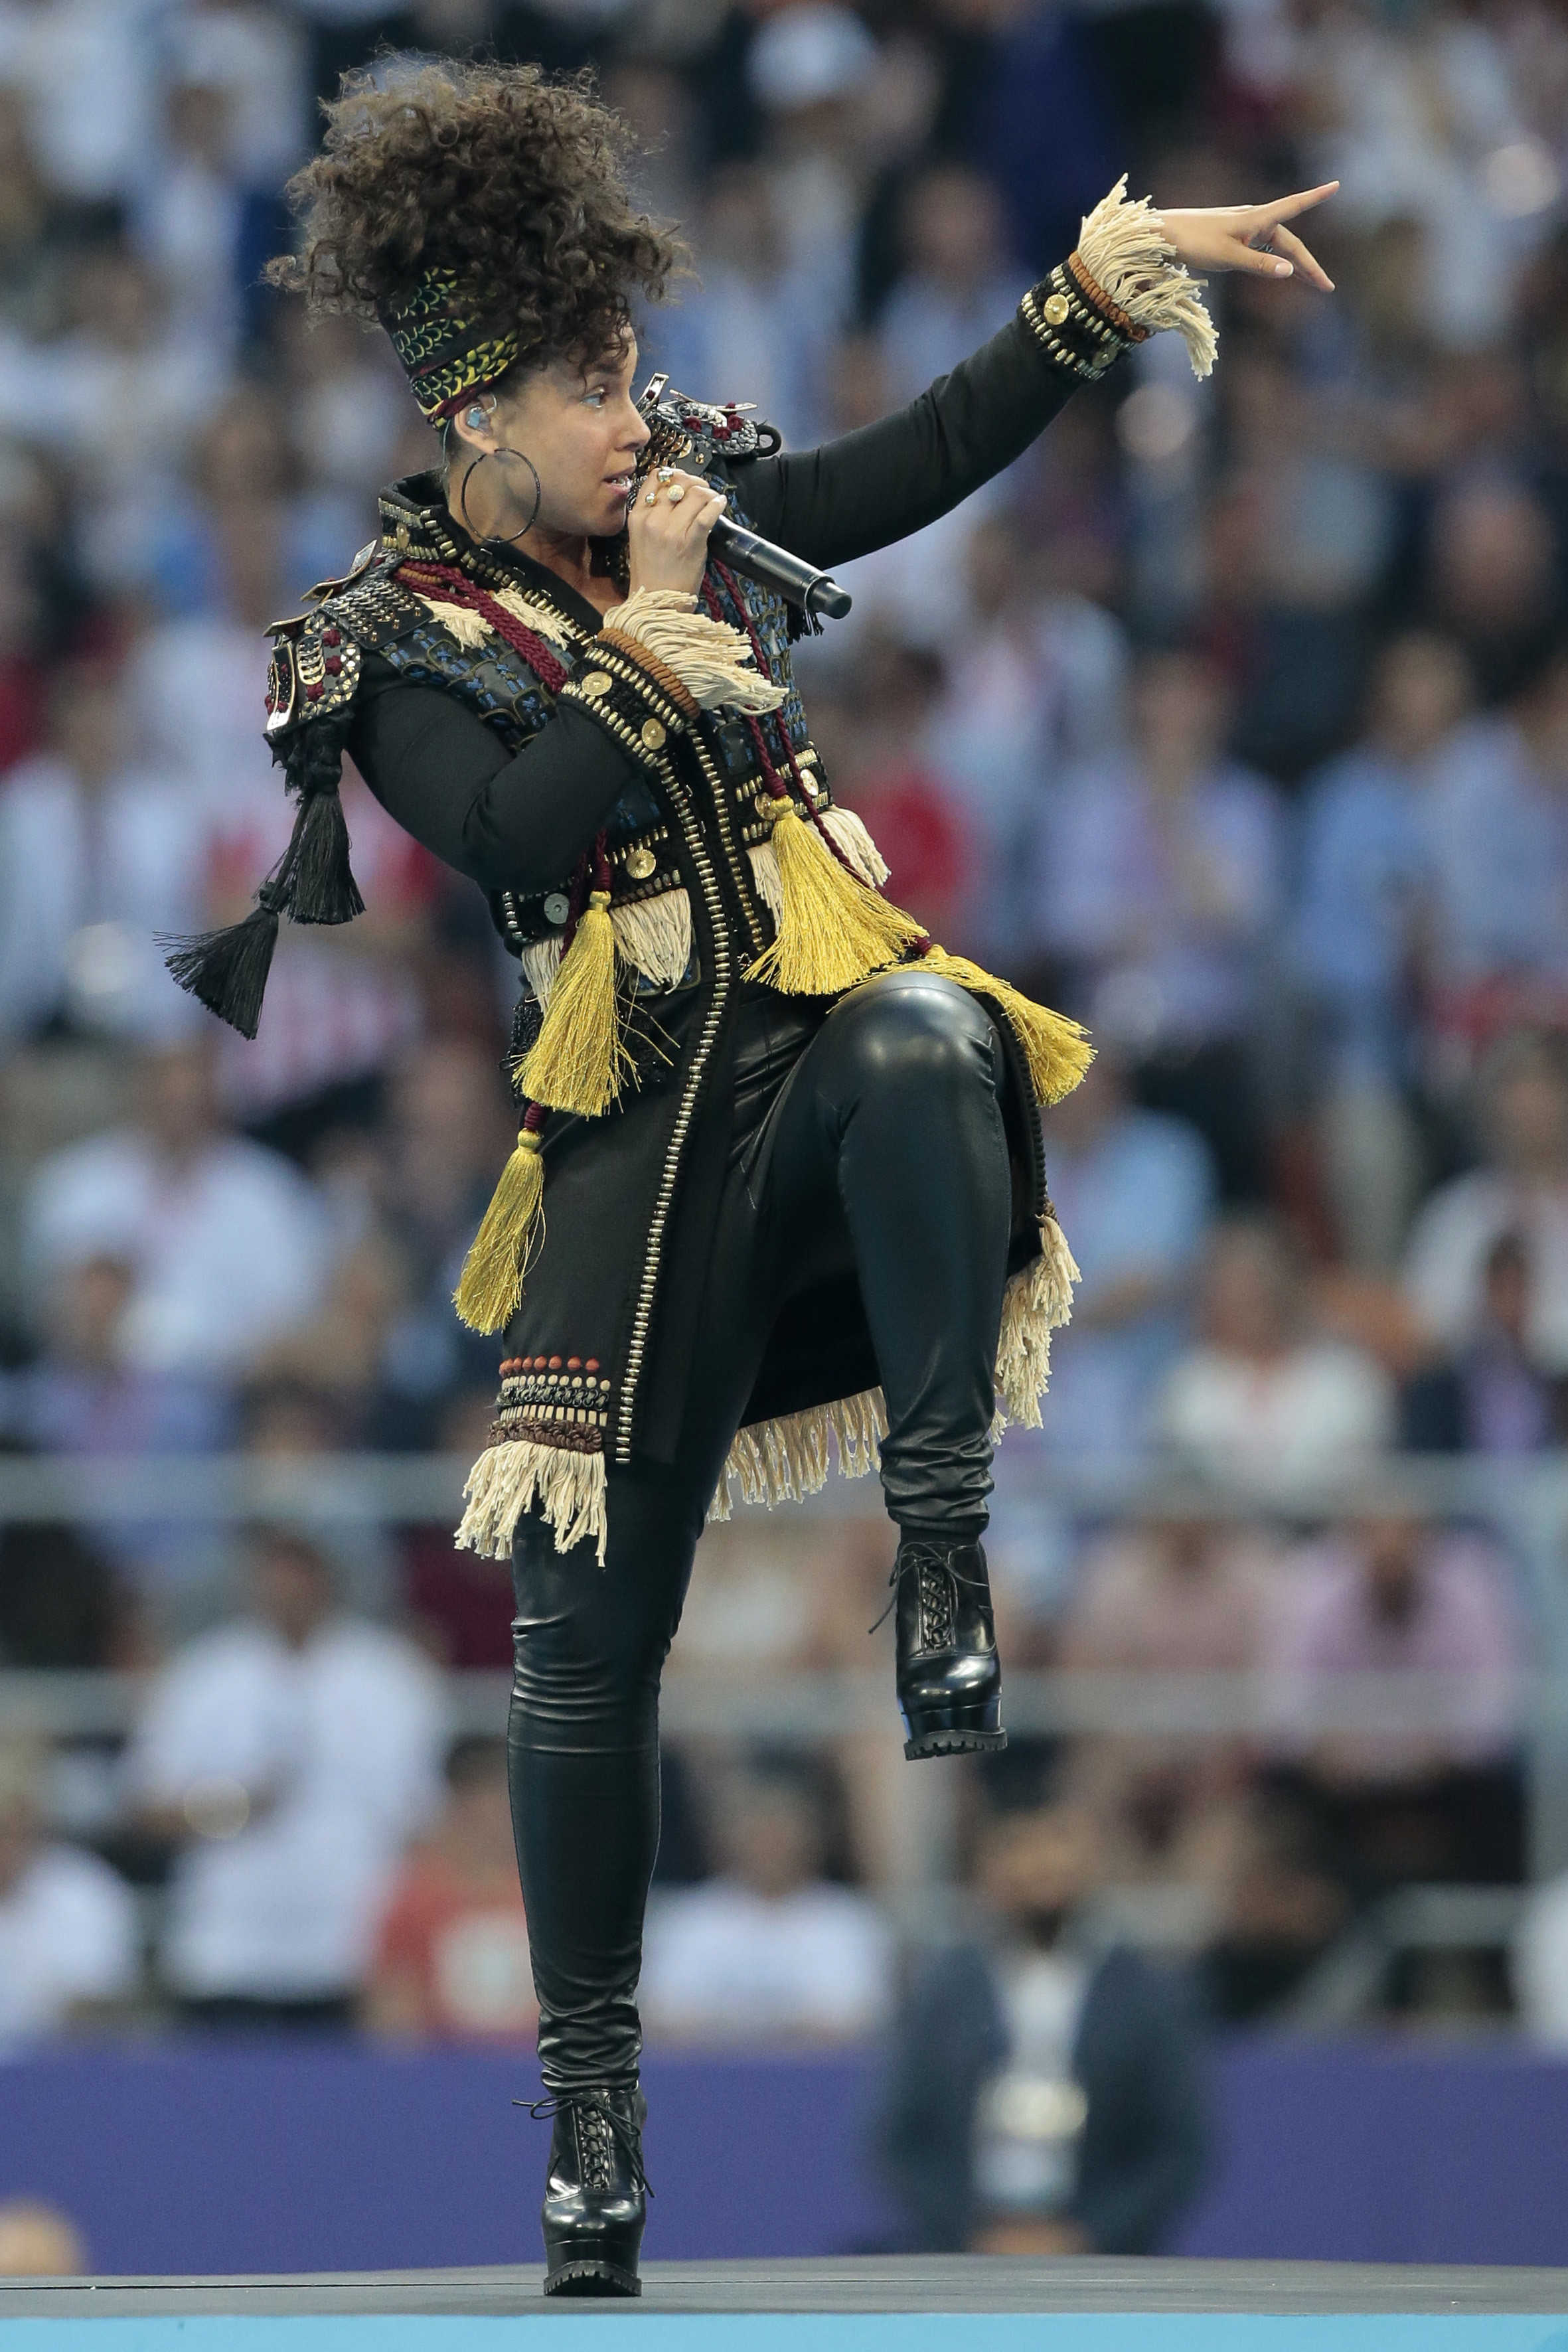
{"x": 1080, "y": 331}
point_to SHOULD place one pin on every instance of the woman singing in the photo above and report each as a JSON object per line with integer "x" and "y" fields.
{"x": 778, "y": 1175}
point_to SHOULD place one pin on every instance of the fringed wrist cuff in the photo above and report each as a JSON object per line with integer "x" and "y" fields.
{"x": 1127, "y": 266}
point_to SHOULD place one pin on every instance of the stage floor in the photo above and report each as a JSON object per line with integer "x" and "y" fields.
{"x": 858, "y": 2286}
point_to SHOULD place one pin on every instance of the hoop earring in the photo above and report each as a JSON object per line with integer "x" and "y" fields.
{"x": 502, "y": 539}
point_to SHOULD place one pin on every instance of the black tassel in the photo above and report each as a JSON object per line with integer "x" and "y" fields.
{"x": 321, "y": 886}
{"x": 800, "y": 623}
{"x": 227, "y": 971}
{"x": 325, "y": 889}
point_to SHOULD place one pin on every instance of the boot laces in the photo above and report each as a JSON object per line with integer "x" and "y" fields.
{"x": 937, "y": 1584}
{"x": 599, "y": 2126}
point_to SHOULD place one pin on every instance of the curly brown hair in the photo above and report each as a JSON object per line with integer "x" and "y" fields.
{"x": 513, "y": 182}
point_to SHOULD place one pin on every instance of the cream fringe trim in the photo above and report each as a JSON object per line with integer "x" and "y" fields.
{"x": 712, "y": 661}
{"x": 471, "y": 629}
{"x": 1035, "y": 1303}
{"x": 851, "y": 838}
{"x": 1125, "y": 249}
{"x": 541, "y": 617}
{"x": 541, "y": 961}
{"x": 780, "y": 1461}
{"x": 510, "y": 1477}
{"x": 765, "y": 863}
{"x": 653, "y": 936}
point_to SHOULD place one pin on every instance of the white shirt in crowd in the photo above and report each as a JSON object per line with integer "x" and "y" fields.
{"x": 228, "y": 1251}
{"x": 346, "y": 1738}
{"x": 722, "y": 1963}
{"x": 1321, "y": 1405}
{"x": 67, "y": 1933}
{"x": 1030, "y": 2123}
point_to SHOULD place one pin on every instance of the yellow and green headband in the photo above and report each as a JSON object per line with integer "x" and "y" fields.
{"x": 445, "y": 358}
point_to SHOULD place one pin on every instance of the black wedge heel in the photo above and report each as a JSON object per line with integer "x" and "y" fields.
{"x": 948, "y": 1674}
{"x": 596, "y": 2197}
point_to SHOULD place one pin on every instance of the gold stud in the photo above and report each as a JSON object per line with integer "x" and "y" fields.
{"x": 653, "y": 733}
{"x": 597, "y": 682}
{"x": 1056, "y": 308}
{"x": 640, "y": 864}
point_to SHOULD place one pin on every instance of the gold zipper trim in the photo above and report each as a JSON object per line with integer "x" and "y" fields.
{"x": 723, "y": 971}
{"x": 721, "y": 799}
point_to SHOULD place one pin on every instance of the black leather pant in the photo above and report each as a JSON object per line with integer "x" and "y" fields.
{"x": 879, "y": 1148}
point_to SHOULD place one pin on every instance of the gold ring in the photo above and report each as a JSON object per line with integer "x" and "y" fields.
{"x": 651, "y": 500}
{"x": 667, "y": 473}
{"x": 677, "y": 495}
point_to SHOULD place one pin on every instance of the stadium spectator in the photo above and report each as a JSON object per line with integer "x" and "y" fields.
{"x": 1492, "y": 1396}
{"x": 1135, "y": 1189}
{"x": 451, "y": 1954}
{"x": 1158, "y": 878}
{"x": 228, "y": 1240}
{"x": 1361, "y": 929}
{"x": 288, "y": 1757}
{"x": 769, "y": 1951}
{"x": 1498, "y": 833}
{"x": 1259, "y": 1399}
{"x": 1278, "y": 1902}
{"x": 1032, "y": 680}
{"x": 1520, "y": 1187}
{"x": 959, "y": 282}
{"x": 1421, "y": 1783}
{"x": 1045, "y": 2092}
{"x": 1179, "y": 1595}
{"x": 70, "y": 1945}
{"x": 99, "y": 851}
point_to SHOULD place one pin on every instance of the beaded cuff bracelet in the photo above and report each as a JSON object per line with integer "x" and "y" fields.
{"x": 1071, "y": 328}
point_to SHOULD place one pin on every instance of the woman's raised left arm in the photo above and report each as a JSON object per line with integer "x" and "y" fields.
{"x": 1128, "y": 278}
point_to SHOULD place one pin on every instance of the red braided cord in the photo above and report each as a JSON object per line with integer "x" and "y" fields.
{"x": 454, "y": 587}
{"x": 777, "y": 785}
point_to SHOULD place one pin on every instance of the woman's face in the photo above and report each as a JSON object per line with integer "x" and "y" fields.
{"x": 581, "y": 429}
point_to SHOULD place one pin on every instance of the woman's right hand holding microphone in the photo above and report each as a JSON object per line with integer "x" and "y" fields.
{"x": 668, "y": 523}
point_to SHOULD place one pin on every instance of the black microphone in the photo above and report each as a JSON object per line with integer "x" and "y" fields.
{"x": 774, "y": 567}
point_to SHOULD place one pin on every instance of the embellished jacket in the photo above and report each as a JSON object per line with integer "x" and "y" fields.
{"x": 655, "y": 834}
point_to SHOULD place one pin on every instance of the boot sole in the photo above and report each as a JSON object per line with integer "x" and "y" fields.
{"x": 593, "y": 2278}
{"x": 953, "y": 1743}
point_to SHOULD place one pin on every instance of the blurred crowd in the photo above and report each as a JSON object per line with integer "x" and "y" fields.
{"x": 1233, "y": 719}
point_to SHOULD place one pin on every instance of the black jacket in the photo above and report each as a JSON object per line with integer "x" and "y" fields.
{"x": 1138, "y": 2058}
{"x": 509, "y": 764}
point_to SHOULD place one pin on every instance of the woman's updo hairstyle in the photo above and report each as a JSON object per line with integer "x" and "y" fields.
{"x": 502, "y": 188}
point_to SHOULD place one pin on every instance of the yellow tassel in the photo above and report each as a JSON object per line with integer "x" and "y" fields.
{"x": 579, "y": 1061}
{"x": 489, "y": 1289}
{"x": 832, "y": 930}
{"x": 1056, "y": 1050}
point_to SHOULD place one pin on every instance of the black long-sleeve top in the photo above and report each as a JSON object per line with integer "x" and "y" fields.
{"x": 519, "y": 822}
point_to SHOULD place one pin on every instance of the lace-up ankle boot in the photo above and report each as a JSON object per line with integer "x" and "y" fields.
{"x": 948, "y": 1674}
{"x": 596, "y": 2197}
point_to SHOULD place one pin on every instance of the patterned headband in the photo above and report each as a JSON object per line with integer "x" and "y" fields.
{"x": 445, "y": 358}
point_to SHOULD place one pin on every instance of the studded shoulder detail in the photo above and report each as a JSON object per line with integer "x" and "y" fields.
{"x": 317, "y": 655}
{"x": 703, "y": 432}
